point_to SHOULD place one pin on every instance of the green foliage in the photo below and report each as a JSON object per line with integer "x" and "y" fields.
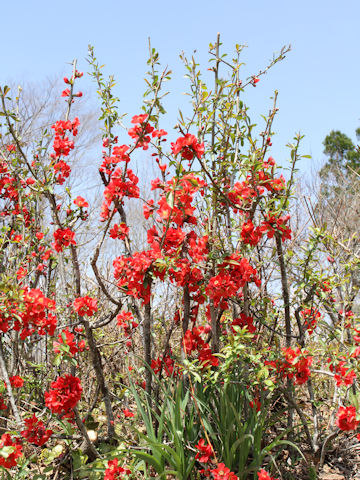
{"x": 169, "y": 429}
{"x": 238, "y": 432}
{"x": 217, "y": 405}
{"x": 342, "y": 154}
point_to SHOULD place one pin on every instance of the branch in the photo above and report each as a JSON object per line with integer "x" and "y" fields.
{"x": 5, "y": 375}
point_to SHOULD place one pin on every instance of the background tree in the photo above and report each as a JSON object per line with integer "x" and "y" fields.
{"x": 343, "y": 155}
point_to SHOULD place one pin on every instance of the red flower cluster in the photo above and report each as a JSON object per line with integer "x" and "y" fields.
{"x": 10, "y": 460}
{"x": 192, "y": 341}
{"x": 114, "y": 471}
{"x": 64, "y": 394}
{"x": 141, "y": 132}
{"x": 166, "y": 363}
{"x": 223, "y": 473}
{"x": 16, "y": 382}
{"x": 255, "y": 403}
{"x": 121, "y": 184}
{"x": 158, "y": 133}
{"x": 344, "y": 375}
{"x": 35, "y": 317}
{"x": 244, "y": 321}
{"x": 35, "y": 431}
{"x": 188, "y": 146}
{"x": 131, "y": 271}
{"x": 311, "y": 316}
{"x": 62, "y": 146}
{"x": 63, "y": 238}
{"x": 126, "y": 321}
{"x": 11, "y": 148}
{"x": 204, "y": 455}
{"x": 296, "y": 364}
{"x": 233, "y": 274}
{"x": 251, "y": 235}
{"x": 205, "y": 452}
{"x": 3, "y": 405}
{"x": 85, "y": 306}
{"x": 175, "y": 202}
{"x": 128, "y": 413}
{"x": 81, "y": 202}
{"x": 118, "y": 155}
{"x": 278, "y": 224}
{"x": 263, "y": 475}
{"x": 346, "y": 418}
{"x": 255, "y": 184}
{"x": 119, "y": 231}
{"x": 67, "y": 338}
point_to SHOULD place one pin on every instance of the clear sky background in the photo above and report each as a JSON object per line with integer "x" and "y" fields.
{"x": 318, "y": 82}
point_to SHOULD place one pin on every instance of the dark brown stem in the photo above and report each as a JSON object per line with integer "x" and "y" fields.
{"x": 290, "y": 400}
{"x": 109, "y": 318}
{"x": 215, "y": 334}
{"x": 96, "y": 361}
{"x": 85, "y": 435}
{"x": 327, "y": 440}
{"x": 5, "y": 376}
{"x": 286, "y": 298}
{"x": 185, "y": 323}
{"x": 147, "y": 343}
{"x": 284, "y": 287}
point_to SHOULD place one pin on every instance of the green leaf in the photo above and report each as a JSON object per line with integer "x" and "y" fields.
{"x": 170, "y": 197}
{"x": 5, "y": 452}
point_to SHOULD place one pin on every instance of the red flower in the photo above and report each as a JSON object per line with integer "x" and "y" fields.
{"x": 223, "y": 473}
{"x": 255, "y": 404}
{"x": 64, "y": 394}
{"x": 10, "y": 461}
{"x": 3, "y": 405}
{"x": 68, "y": 338}
{"x": 346, "y": 418}
{"x": 251, "y": 235}
{"x": 263, "y": 475}
{"x": 114, "y": 472}
{"x": 85, "y": 306}
{"x": 244, "y": 321}
{"x": 167, "y": 363}
{"x": 158, "y": 133}
{"x": 35, "y": 317}
{"x": 16, "y": 381}
{"x": 188, "y": 146}
{"x": 343, "y": 375}
{"x": 128, "y": 413}
{"x": 35, "y": 431}
{"x": 63, "y": 238}
{"x": 297, "y": 363}
{"x": 139, "y": 118}
{"x": 119, "y": 231}
{"x": 81, "y": 202}
{"x": 205, "y": 452}
{"x": 311, "y": 316}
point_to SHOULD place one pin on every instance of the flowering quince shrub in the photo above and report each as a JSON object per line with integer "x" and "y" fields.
{"x": 221, "y": 295}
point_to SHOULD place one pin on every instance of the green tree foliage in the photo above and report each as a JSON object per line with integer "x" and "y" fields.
{"x": 342, "y": 154}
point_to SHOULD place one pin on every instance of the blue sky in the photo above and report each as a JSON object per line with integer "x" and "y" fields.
{"x": 318, "y": 83}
